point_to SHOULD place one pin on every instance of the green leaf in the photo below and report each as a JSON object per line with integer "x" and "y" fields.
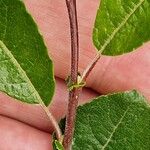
{"x": 121, "y": 26}
{"x": 26, "y": 72}
{"x": 57, "y": 145}
{"x": 114, "y": 122}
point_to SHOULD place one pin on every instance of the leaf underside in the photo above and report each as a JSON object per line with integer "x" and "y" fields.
{"x": 121, "y": 26}
{"x": 114, "y": 122}
{"x": 26, "y": 72}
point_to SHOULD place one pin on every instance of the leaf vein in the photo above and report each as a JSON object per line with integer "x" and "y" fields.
{"x": 92, "y": 131}
{"x": 115, "y": 128}
{"x": 110, "y": 38}
{"x": 20, "y": 70}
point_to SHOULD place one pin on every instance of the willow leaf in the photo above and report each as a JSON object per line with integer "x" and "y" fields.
{"x": 114, "y": 122}
{"x": 121, "y": 26}
{"x": 26, "y": 71}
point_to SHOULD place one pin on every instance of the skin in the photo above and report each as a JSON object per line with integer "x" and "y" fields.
{"x": 26, "y": 127}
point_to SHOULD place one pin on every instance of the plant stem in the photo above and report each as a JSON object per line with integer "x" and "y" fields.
{"x": 74, "y": 93}
{"x": 53, "y": 121}
{"x": 90, "y": 67}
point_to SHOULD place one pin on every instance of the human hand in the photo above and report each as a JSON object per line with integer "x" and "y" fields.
{"x": 126, "y": 72}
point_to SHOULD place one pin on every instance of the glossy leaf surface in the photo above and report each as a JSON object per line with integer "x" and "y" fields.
{"x": 23, "y": 56}
{"x": 121, "y": 26}
{"x": 114, "y": 122}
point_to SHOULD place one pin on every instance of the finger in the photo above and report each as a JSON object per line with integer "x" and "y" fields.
{"x": 15, "y": 135}
{"x": 33, "y": 114}
{"x": 52, "y": 19}
{"x": 111, "y": 74}
{"x": 125, "y": 72}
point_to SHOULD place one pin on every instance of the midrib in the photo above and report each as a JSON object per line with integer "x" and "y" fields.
{"x": 115, "y": 128}
{"x": 121, "y": 25}
{"x": 15, "y": 62}
{"x": 20, "y": 70}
